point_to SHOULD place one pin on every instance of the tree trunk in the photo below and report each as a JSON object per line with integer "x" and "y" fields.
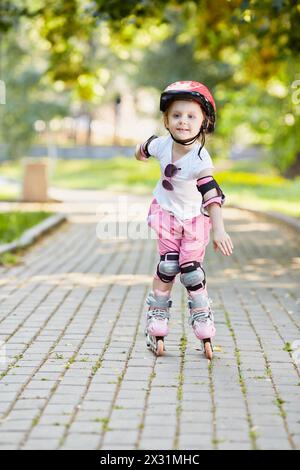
{"x": 294, "y": 169}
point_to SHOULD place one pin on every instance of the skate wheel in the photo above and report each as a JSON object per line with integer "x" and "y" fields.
{"x": 208, "y": 350}
{"x": 160, "y": 348}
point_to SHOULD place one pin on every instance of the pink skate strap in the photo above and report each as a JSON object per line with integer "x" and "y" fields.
{"x": 215, "y": 199}
{"x": 204, "y": 180}
{"x": 204, "y": 185}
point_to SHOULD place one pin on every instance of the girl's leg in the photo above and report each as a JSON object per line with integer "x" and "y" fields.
{"x": 162, "y": 286}
{"x": 158, "y": 315}
{"x": 168, "y": 267}
{"x": 159, "y": 299}
{"x": 169, "y": 233}
{"x": 192, "y": 252}
{"x": 193, "y": 278}
{"x": 168, "y": 243}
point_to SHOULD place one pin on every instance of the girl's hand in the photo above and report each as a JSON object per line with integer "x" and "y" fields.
{"x": 138, "y": 154}
{"x": 222, "y": 242}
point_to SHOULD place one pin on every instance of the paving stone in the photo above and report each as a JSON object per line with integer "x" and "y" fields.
{"x": 84, "y": 298}
{"x": 273, "y": 443}
{"x": 45, "y": 432}
{"x": 237, "y": 445}
{"x": 155, "y": 444}
{"x": 81, "y": 442}
{"x": 120, "y": 437}
{"x": 41, "y": 444}
{"x": 11, "y": 437}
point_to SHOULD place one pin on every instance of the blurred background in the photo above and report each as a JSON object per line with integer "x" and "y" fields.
{"x": 80, "y": 83}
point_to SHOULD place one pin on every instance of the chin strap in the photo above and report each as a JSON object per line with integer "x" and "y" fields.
{"x": 192, "y": 141}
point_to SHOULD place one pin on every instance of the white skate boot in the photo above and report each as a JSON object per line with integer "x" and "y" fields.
{"x": 157, "y": 320}
{"x": 202, "y": 320}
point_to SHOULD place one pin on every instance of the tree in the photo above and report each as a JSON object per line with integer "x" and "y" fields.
{"x": 238, "y": 45}
{"x": 28, "y": 97}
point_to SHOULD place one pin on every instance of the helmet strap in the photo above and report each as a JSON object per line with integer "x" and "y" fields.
{"x": 201, "y": 145}
{"x": 190, "y": 141}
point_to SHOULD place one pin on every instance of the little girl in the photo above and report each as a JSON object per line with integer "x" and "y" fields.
{"x": 187, "y": 202}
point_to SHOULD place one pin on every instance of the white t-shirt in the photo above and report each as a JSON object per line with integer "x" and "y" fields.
{"x": 185, "y": 200}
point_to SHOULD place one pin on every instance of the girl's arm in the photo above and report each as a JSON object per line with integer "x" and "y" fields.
{"x": 221, "y": 239}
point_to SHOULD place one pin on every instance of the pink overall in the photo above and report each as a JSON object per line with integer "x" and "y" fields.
{"x": 189, "y": 237}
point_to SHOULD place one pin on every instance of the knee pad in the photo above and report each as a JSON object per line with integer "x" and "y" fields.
{"x": 168, "y": 266}
{"x": 192, "y": 275}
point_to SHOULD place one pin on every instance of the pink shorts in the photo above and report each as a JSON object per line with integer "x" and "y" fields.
{"x": 189, "y": 237}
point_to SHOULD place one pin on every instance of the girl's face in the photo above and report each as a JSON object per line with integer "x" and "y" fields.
{"x": 184, "y": 119}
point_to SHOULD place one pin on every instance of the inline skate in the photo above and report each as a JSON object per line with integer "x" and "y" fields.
{"x": 157, "y": 321}
{"x": 202, "y": 320}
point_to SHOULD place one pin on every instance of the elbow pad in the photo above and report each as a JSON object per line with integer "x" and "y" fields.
{"x": 207, "y": 183}
{"x": 144, "y": 147}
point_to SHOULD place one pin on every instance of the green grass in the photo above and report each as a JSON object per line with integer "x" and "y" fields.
{"x": 265, "y": 192}
{"x": 118, "y": 173}
{"x": 11, "y": 259}
{"x": 8, "y": 193}
{"x": 115, "y": 174}
{"x": 251, "y": 184}
{"x": 13, "y": 224}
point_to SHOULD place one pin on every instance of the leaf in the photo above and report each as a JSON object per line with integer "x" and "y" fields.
{"x": 288, "y": 347}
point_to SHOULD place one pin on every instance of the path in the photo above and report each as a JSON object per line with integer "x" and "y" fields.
{"x": 77, "y": 373}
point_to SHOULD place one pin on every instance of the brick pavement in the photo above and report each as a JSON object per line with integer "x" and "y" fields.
{"x": 77, "y": 373}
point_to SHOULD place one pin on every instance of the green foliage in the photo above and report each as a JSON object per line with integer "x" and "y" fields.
{"x": 242, "y": 49}
{"x": 67, "y": 30}
{"x": 133, "y": 11}
{"x": 13, "y": 224}
{"x": 175, "y": 58}
{"x": 286, "y": 145}
{"x": 12, "y": 11}
{"x": 264, "y": 31}
{"x": 28, "y": 97}
{"x": 260, "y": 115}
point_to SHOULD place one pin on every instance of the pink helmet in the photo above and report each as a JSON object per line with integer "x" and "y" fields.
{"x": 191, "y": 90}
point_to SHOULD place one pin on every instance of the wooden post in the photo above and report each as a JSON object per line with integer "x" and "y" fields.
{"x": 35, "y": 180}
